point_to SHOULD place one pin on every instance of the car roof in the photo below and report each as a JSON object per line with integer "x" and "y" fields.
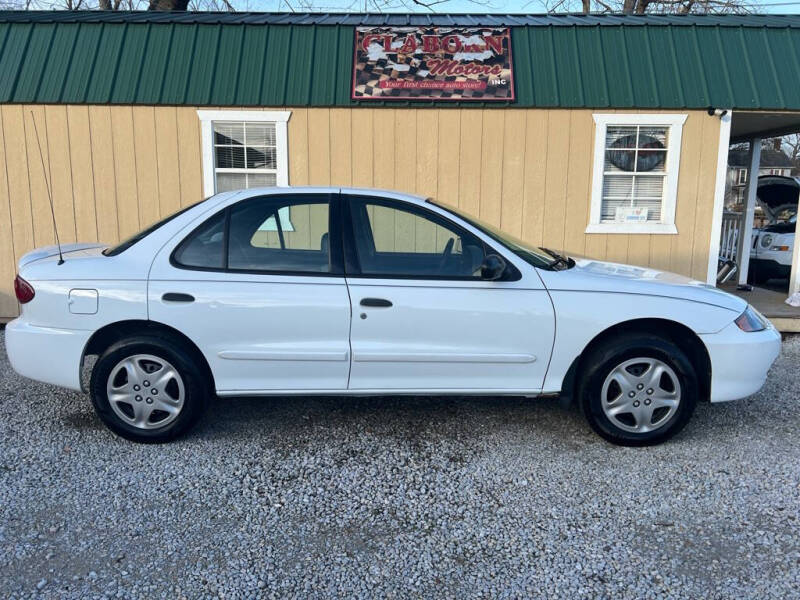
{"x": 353, "y": 191}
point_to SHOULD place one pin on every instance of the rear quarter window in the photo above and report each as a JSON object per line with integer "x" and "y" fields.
{"x": 204, "y": 248}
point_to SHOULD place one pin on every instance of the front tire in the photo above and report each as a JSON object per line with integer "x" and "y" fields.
{"x": 638, "y": 390}
{"x": 148, "y": 389}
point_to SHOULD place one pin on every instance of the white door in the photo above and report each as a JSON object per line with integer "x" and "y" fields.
{"x": 422, "y": 317}
{"x": 259, "y": 291}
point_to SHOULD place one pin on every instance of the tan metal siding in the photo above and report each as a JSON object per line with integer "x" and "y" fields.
{"x": 125, "y": 186}
{"x": 144, "y": 140}
{"x": 8, "y": 304}
{"x": 115, "y": 169}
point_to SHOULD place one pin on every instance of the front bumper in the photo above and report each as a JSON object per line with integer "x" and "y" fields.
{"x": 771, "y": 269}
{"x": 740, "y": 360}
{"x": 45, "y": 353}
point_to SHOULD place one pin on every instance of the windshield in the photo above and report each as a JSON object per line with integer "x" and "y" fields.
{"x": 122, "y": 246}
{"x": 536, "y": 256}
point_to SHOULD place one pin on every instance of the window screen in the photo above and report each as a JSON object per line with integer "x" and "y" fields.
{"x": 634, "y": 173}
{"x": 245, "y": 155}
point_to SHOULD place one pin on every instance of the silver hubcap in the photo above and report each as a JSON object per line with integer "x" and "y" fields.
{"x": 641, "y": 395}
{"x": 145, "y": 391}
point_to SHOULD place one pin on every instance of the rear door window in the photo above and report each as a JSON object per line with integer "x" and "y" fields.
{"x": 272, "y": 234}
{"x": 280, "y": 234}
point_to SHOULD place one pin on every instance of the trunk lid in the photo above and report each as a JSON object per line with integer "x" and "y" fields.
{"x": 68, "y": 250}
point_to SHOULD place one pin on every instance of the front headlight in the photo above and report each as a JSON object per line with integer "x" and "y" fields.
{"x": 766, "y": 241}
{"x": 751, "y": 320}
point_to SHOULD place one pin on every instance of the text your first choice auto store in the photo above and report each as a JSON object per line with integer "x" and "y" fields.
{"x": 602, "y": 136}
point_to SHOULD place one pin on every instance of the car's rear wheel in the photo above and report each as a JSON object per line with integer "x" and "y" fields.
{"x": 638, "y": 390}
{"x": 148, "y": 389}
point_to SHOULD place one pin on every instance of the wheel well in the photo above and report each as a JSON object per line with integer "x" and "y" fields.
{"x": 680, "y": 335}
{"x": 104, "y": 337}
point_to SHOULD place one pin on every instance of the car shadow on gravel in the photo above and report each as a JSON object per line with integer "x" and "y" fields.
{"x": 294, "y": 419}
{"x": 388, "y": 415}
{"x": 84, "y": 420}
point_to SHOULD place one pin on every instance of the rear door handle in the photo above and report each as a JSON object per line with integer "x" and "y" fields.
{"x": 375, "y": 302}
{"x": 177, "y": 297}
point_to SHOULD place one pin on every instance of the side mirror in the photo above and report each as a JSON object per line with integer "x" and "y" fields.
{"x": 493, "y": 267}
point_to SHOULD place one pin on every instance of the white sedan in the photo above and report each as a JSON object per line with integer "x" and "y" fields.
{"x": 303, "y": 291}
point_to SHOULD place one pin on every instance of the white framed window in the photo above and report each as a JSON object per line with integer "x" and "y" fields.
{"x": 742, "y": 176}
{"x": 243, "y": 149}
{"x": 635, "y": 173}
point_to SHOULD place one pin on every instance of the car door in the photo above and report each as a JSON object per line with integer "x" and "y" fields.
{"x": 259, "y": 288}
{"x": 423, "y": 319}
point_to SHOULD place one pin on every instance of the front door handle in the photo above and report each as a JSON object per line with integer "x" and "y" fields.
{"x": 177, "y": 297}
{"x": 375, "y": 302}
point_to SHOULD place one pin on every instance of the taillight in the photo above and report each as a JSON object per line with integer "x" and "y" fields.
{"x": 751, "y": 320}
{"x": 23, "y": 290}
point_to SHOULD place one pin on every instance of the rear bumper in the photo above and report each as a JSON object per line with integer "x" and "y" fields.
{"x": 46, "y": 354}
{"x": 740, "y": 361}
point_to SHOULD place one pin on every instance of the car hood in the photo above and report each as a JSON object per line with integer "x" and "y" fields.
{"x": 777, "y": 194}
{"x": 69, "y": 251}
{"x": 600, "y": 276}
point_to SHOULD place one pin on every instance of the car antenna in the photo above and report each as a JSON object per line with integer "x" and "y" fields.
{"x": 47, "y": 185}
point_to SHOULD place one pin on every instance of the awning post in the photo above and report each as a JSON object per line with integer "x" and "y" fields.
{"x": 746, "y": 227}
{"x": 794, "y": 277}
{"x": 719, "y": 196}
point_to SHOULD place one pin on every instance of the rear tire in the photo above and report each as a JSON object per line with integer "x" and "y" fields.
{"x": 148, "y": 389}
{"x": 637, "y": 389}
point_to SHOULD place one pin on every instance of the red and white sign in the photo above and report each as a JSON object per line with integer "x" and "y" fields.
{"x": 433, "y": 63}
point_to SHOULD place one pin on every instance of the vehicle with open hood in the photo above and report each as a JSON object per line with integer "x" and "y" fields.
{"x": 772, "y": 245}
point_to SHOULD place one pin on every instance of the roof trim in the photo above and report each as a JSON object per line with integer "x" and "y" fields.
{"x": 401, "y": 19}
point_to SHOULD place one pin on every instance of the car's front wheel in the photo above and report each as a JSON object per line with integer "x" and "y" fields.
{"x": 638, "y": 390}
{"x": 147, "y": 389}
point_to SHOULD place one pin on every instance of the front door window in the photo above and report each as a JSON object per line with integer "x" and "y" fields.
{"x": 401, "y": 240}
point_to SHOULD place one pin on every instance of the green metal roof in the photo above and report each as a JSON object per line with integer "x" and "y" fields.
{"x": 252, "y": 59}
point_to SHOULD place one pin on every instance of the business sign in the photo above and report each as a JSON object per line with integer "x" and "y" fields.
{"x": 433, "y": 63}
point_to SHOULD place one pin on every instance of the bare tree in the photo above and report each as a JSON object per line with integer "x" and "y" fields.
{"x": 791, "y": 145}
{"x": 551, "y": 6}
{"x": 641, "y": 7}
{"x": 167, "y": 4}
{"x": 119, "y": 5}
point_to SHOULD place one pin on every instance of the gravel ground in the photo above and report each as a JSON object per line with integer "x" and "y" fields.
{"x": 422, "y": 497}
